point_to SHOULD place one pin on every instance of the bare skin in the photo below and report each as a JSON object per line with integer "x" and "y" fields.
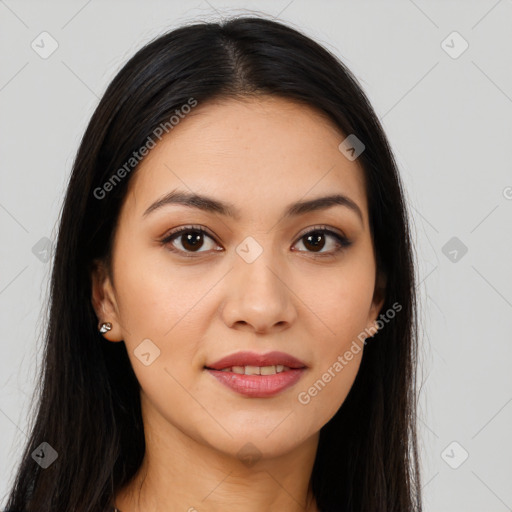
{"x": 260, "y": 155}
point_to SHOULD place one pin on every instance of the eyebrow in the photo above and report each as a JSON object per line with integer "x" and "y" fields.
{"x": 212, "y": 205}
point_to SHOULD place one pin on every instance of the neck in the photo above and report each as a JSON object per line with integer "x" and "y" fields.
{"x": 180, "y": 473}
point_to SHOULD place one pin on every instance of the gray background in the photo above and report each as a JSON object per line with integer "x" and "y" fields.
{"x": 448, "y": 119}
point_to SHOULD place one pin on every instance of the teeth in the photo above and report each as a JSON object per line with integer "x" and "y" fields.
{"x": 268, "y": 370}
{"x": 252, "y": 370}
{"x": 257, "y": 370}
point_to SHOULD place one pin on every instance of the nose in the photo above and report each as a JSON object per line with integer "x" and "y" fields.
{"x": 259, "y": 296}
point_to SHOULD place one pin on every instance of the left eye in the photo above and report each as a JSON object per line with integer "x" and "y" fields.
{"x": 192, "y": 239}
{"x": 316, "y": 239}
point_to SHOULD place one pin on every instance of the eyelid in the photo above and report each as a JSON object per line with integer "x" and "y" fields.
{"x": 321, "y": 227}
{"x": 188, "y": 227}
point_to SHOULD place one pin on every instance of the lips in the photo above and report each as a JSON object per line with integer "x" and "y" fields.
{"x": 254, "y": 359}
{"x": 256, "y": 375}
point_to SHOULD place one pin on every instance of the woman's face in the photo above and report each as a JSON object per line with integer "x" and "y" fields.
{"x": 259, "y": 279}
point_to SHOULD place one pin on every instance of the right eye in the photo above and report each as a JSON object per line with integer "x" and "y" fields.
{"x": 191, "y": 238}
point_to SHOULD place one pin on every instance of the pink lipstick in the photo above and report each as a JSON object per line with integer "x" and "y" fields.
{"x": 257, "y": 375}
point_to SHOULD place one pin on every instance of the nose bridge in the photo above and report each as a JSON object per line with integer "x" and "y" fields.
{"x": 258, "y": 294}
{"x": 257, "y": 264}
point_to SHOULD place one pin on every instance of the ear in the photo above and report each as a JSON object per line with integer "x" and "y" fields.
{"x": 379, "y": 296}
{"x": 104, "y": 301}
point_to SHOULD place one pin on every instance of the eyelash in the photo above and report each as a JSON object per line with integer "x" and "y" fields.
{"x": 342, "y": 241}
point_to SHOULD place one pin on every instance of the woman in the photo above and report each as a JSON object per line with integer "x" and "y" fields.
{"x": 233, "y": 310}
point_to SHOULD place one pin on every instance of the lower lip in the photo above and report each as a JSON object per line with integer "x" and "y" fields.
{"x": 258, "y": 386}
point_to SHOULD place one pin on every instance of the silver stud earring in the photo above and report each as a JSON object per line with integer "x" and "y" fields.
{"x": 105, "y": 326}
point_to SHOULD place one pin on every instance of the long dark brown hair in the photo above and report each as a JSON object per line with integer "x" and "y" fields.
{"x": 88, "y": 404}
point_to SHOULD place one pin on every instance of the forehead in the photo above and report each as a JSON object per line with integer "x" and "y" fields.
{"x": 255, "y": 152}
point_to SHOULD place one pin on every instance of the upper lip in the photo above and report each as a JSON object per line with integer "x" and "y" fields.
{"x": 254, "y": 359}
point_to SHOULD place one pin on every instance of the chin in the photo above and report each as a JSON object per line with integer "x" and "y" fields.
{"x": 251, "y": 444}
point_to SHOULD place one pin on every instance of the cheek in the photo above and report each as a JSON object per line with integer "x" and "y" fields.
{"x": 338, "y": 352}
{"x": 169, "y": 305}
{"x": 342, "y": 304}
{"x": 156, "y": 297}
{"x": 343, "y": 307}
{"x": 322, "y": 395}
